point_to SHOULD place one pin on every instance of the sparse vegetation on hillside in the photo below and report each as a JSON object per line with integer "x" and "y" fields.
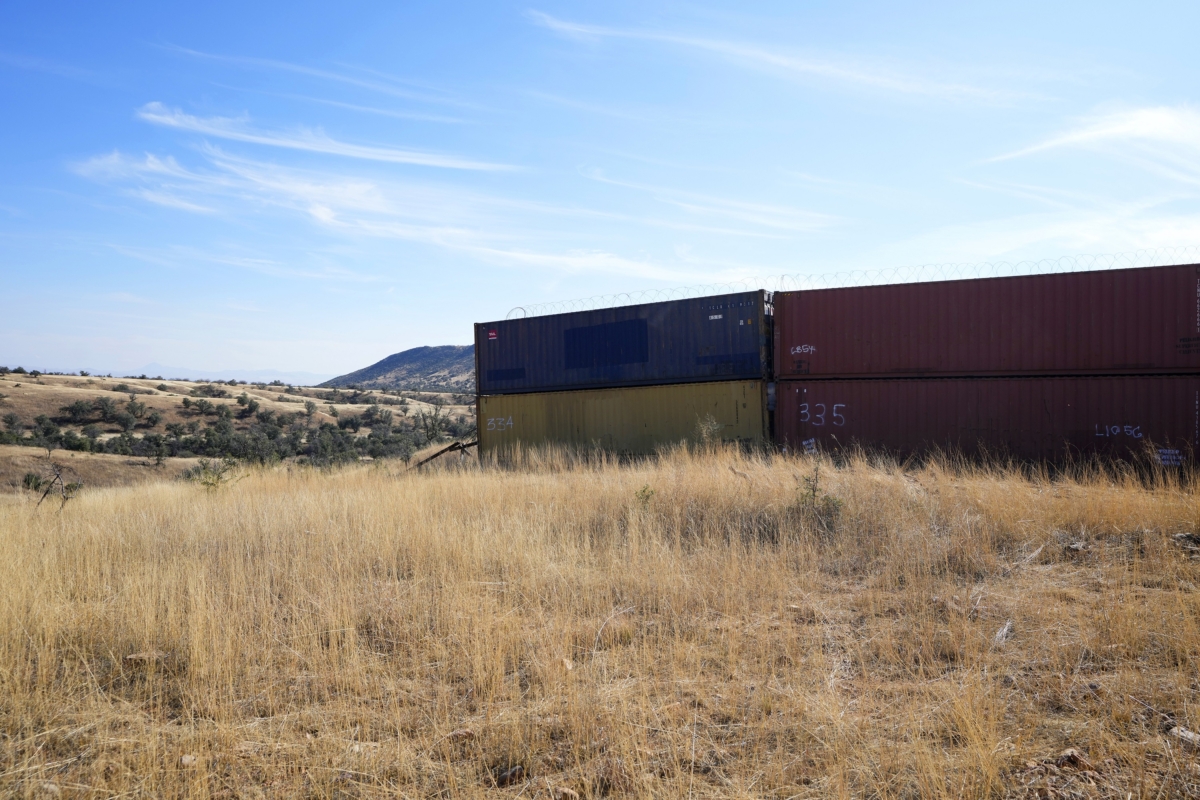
{"x": 448, "y": 368}
{"x": 702, "y": 625}
{"x": 259, "y": 424}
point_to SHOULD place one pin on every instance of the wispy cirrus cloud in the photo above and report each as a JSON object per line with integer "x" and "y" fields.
{"x": 187, "y": 257}
{"x": 49, "y": 67}
{"x": 385, "y": 84}
{"x": 375, "y": 110}
{"x": 784, "y": 218}
{"x": 1176, "y": 127}
{"x": 790, "y": 64}
{"x": 487, "y": 228}
{"x": 313, "y": 141}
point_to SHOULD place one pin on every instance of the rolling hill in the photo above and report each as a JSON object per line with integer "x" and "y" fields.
{"x": 447, "y": 368}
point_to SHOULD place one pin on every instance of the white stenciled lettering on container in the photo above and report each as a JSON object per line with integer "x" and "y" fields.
{"x": 1170, "y": 457}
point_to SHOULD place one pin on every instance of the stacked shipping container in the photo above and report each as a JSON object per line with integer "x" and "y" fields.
{"x": 1038, "y": 367}
{"x": 627, "y": 379}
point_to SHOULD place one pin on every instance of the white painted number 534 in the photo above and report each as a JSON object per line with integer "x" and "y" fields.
{"x": 499, "y": 423}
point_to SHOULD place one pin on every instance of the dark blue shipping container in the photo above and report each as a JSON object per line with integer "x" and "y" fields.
{"x": 726, "y": 337}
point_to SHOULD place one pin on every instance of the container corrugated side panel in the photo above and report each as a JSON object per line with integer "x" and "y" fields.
{"x": 627, "y": 420}
{"x": 697, "y": 339}
{"x": 1128, "y": 321}
{"x": 1028, "y": 418}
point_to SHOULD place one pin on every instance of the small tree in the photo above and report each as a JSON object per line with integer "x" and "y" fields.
{"x": 138, "y": 410}
{"x": 433, "y": 423}
{"x": 77, "y": 412}
{"x": 45, "y": 433}
{"x": 106, "y": 407}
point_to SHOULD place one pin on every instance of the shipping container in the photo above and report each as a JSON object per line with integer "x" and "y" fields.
{"x": 726, "y": 337}
{"x": 635, "y": 419}
{"x": 1026, "y": 418}
{"x": 1128, "y": 321}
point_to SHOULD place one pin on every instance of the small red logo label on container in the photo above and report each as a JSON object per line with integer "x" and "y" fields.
{"x": 491, "y": 336}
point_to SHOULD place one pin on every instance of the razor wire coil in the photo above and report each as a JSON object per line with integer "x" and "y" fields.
{"x": 923, "y": 273}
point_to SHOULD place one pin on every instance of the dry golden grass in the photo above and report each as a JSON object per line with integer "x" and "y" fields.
{"x": 687, "y": 626}
{"x": 94, "y": 470}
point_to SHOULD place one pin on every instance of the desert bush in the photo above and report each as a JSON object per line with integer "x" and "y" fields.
{"x": 136, "y": 410}
{"x": 78, "y": 412}
{"x": 106, "y": 407}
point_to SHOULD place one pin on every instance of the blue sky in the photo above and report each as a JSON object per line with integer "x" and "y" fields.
{"x": 313, "y": 187}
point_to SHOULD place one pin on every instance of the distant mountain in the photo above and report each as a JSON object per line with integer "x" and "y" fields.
{"x": 249, "y": 375}
{"x": 448, "y": 368}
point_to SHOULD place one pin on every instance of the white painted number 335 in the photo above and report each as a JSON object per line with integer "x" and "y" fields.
{"x": 499, "y": 423}
{"x": 816, "y": 413}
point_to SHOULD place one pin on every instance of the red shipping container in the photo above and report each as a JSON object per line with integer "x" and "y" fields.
{"x": 1128, "y": 321}
{"x": 1027, "y": 418}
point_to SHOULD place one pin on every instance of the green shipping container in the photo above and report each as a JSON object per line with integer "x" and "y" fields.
{"x": 628, "y": 420}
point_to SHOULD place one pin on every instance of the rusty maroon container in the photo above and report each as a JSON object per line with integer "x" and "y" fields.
{"x": 1026, "y": 418}
{"x": 1126, "y": 321}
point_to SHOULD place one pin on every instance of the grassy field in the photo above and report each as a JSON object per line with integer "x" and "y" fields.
{"x": 699, "y": 625}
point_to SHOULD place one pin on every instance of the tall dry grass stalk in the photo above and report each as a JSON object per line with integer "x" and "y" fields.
{"x": 706, "y": 624}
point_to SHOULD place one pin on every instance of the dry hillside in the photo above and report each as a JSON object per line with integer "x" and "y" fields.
{"x": 192, "y": 405}
{"x": 700, "y": 625}
{"x": 444, "y": 368}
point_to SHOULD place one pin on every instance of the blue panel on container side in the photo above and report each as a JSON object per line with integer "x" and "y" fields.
{"x": 608, "y": 345}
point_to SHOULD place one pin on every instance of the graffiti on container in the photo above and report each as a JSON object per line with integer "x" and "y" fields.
{"x": 499, "y": 423}
{"x": 810, "y": 446}
{"x": 803, "y": 348}
{"x": 1119, "y": 430}
{"x": 815, "y": 413}
{"x": 1170, "y": 458}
